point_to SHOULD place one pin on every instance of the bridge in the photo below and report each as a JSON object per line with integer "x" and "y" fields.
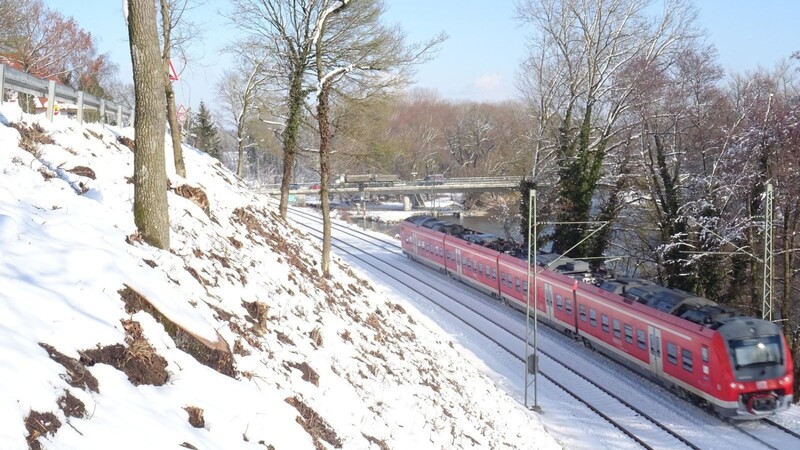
{"x": 409, "y": 190}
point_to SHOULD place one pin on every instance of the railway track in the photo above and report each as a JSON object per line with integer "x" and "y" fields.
{"x": 638, "y": 425}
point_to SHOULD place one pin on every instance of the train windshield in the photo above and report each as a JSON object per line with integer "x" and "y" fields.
{"x": 757, "y": 352}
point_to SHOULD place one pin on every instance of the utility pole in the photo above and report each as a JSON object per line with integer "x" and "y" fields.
{"x": 532, "y": 360}
{"x": 766, "y": 307}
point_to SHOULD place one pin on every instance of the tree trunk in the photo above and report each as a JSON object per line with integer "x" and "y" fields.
{"x": 172, "y": 115}
{"x": 290, "y": 136}
{"x": 150, "y": 207}
{"x": 240, "y": 148}
{"x": 324, "y": 174}
{"x": 175, "y": 128}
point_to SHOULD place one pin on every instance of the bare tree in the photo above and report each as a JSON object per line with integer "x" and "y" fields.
{"x": 286, "y": 28}
{"x": 150, "y": 206}
{"x": 45, "y": 43}
{"x": 579, "y": 49}
{"x": 240, "y": 91}
{"x": 172, "y": 13}
{"x": 351, "y": 47}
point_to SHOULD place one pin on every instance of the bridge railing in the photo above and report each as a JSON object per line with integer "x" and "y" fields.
{"x": 25, "y": 83}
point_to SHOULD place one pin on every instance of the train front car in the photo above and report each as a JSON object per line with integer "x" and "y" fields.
{"x": 760, "y": 378}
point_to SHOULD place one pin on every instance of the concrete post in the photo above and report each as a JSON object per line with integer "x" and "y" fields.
{"x": 51, "y": 99}
{"x": 80, "y": 107}
{"x": 2, "y": 83}
{"x": 406, "y": 203}
{"x": 103, "y": 111}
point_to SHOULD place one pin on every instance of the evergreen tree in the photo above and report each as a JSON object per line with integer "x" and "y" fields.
{"x": 206, "y": 134}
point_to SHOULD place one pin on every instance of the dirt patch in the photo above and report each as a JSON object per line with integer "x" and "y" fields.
{"x": 216, "y": 355}
{"x": 316, "y": 337}
{"x": 31, "y": 137}
{"x": 139, "y": 361}
{"x": 308, "y": 373}
{"x": 72, "y": 406}
{"x": 249, "y": 220}
{"x": 315, "y": 425}
{"x": 127, "y": 142}
{"x": 195, "y": 416}
{"x": 236, "y": 244}
{"x": 257, "y": 313}
{"x": 77, "y": 374}
{"x": 83, "y": 171}
{"x": 379, "y": 442}
{"x": 40, "y": 424}
{"x": 92, "y": 133}
{"x": 195, "y": 195}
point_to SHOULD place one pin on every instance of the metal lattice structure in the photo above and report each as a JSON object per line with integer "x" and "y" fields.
{"x": 766, "y": 307}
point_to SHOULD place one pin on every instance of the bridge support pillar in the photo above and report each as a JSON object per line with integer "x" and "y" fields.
{"x": 406, "y": 203}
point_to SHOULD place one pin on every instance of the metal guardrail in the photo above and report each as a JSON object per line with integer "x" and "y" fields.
{"x": 25, "y": 83}
{"x": 475, "y": 184}
{"x": 413, "y": 183}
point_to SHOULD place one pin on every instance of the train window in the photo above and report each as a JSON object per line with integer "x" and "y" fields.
{"x": 593, "y": 317}
{"x": 480, "y": 268}
{"x": 569, "y": 306}
{"x": 617, "y": 329}
{"x": 604, "y": 322}
{"x": 672, "y": 353}
{"x": 641, "y": 339}
{"x": 519, "y": 284}
{"x": 704, "y": 353}
{"x": 628, "y": 334}
{"x": 582, "y": 309}
{"x": 494, "y": 273}
{"x": 502, "y": 278}
{"x": 559, "y": 302}
{"x": 524, "y": 286}
{"x": 686, "y": 356}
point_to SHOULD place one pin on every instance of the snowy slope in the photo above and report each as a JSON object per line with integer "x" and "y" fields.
{"x": 229, "y": 340}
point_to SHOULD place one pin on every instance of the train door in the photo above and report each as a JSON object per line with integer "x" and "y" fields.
{"x": 548, "y": 300}
{"x": 458, "y": 263}
{"x": 656, "y": 362}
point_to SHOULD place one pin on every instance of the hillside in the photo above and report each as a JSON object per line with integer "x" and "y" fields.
{"x": 229, "y": 340}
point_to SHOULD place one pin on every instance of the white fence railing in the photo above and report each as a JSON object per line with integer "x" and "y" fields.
{"x": 24, "y": 83}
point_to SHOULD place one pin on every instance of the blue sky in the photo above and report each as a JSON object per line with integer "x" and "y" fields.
{"x": 485, "y": 47}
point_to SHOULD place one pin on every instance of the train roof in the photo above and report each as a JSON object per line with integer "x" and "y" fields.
{"x": 622, "y": 284}
{"x": 741, "y": 327}
{"x": 561, "y": 263}
{"x": 481, "y": 238}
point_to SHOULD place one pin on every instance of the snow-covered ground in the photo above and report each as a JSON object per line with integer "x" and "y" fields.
{"x": 229, "y": 340}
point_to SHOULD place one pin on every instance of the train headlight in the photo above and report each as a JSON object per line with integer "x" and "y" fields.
{"x": 733, "y": 385}
{"x": 741, "y": 387}
{"x": 785, "y": 380}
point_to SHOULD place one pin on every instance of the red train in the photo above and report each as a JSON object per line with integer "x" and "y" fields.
{"x": 737, "y": 365}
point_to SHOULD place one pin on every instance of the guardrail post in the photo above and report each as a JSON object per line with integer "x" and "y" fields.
{"x": 80, "y": 107}
{"x": 119, "y": 115}
{"x": 51, "y": 99}
{"x": 2, "y": 83}
{"x": 103, "y": 111}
